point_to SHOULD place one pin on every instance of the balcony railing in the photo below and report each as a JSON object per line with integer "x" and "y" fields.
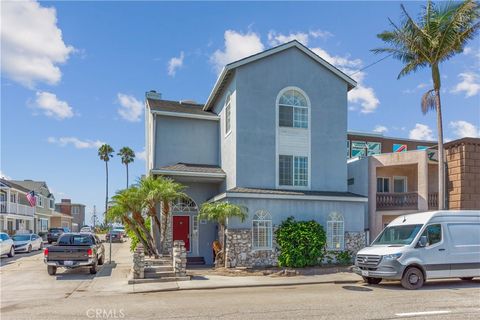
{"x": 397, "y": 201}
{"x": 15, "y": 208}
{"x": 433, "y": 201}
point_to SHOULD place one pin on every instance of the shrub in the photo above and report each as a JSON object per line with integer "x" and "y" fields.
{"x": 301, "y": 243}
{"x": 344, "y": 258}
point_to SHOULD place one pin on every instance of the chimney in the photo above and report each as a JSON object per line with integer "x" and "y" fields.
{"x": 154, "y": 95}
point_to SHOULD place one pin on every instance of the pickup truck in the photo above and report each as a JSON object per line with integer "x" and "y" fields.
{"x": 75, "y": 250}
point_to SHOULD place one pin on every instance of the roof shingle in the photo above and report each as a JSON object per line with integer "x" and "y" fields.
{"x": 178, "y": 106}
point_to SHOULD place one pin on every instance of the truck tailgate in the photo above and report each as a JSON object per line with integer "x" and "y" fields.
{"x": 72, "y": 253}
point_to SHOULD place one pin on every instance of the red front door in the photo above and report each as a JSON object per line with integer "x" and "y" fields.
{"x": 181, "y": 230}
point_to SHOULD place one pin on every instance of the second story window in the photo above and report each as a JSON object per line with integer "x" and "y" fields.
{"x": 293, "y": 110}
{"x": 228, "y": 114}
{"x": 13, "y": 198}
{"x": 52, "y": 203}
{"x": 293, "y": 171}
{"x": 39, "y": 201}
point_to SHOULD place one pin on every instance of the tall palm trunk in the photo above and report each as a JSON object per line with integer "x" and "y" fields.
{"x": 165, "y": 215}
{"x": 441, "y": 157}
{"x": 127, "y": 174}
{"x": 141, "y": 223}
{"x": 153, "y": 214}
{"x": 106, "y": 187}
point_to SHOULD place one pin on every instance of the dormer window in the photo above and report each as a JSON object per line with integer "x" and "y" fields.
{"x": 293, "y": 110}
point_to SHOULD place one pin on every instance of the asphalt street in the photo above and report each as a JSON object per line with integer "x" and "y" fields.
{"x": 29, "y": 293}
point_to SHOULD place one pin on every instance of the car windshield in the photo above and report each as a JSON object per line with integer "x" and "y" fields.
{"x": 398, "y": 235}
{"x": 21, "y": 238}
{"x": 75, "y": 240}
{"x": 56, "y": 230}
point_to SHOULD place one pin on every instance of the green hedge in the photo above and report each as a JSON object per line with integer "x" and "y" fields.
{"x": 301, "y": 243}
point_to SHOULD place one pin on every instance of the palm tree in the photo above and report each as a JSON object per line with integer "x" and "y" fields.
{"x": 151, "y": 194}
{"x": 127, "y": 156}
{"x": 439, "y": 34}
{"x": 105, "y": 152}
{"x": 130, "y": 200}
{"x": 220, "y": 212}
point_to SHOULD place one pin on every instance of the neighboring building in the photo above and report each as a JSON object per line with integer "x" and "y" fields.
{"x": 361, "y": 144}
{"x": 75, "y": 210}
{"x": 396, "y": 184}
{"x": 16, "y": 214}
{"x": 463, "y": 165}
{"x": 45, "y": 215}
{"x": 271, "y": 137}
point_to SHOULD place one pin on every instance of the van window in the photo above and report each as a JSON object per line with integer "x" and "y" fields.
{"x": 464, "y": 234}
{"x": 433, "y": 233}
{"x": 398, "y": 235}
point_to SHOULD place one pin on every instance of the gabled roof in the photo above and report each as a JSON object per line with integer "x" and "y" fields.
{"x": 37, "y": 186}
{"x": 229, "y": 68}
{"x": 179, "y": 108}
{"x": 13, "y": 185}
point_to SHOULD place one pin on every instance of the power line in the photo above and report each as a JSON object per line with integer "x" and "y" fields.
{"x": 371, "y": 64}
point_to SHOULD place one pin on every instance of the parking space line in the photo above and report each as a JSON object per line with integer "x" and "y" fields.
{"x": 422, "y": 313}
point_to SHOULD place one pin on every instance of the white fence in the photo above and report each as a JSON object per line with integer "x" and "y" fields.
{"x": 16, "y": 208}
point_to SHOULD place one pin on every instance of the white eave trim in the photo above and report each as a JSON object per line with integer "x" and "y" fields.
{"x": 285, "y": 197}
{"x": 188, "y": 173}
{"x": 185, "y": 115}
{"x": 269, "y": 52}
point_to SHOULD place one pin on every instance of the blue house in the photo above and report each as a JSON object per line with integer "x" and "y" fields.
{"x": 271, "y": 137}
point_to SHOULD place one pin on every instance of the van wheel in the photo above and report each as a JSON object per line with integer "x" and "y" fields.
{"x": 413, "y": 279}
{"x": 467, "y": 278}
{"x": 371, "y": 280}
{"x": 12, "y": 252}
{"x": 52, "y": 270}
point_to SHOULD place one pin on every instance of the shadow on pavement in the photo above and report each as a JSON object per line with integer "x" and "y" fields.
{"x": 356, "y": 288}
{"x": 198, "y": 278}
{"x": 107, "y": 269}
{"x": 83, "y": 273}
{"x": 451, "y": 284}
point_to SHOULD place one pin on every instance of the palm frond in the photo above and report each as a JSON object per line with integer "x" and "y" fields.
{"x": 428, "y": 101}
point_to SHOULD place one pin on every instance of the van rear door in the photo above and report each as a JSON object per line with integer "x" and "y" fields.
{"x": 464, "y": 247}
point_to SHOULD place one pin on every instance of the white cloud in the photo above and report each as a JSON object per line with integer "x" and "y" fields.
{"x": 421, "y": 132}
{"x": 32, "y": 44}
{"x": 142, "y": 155}
{"x": 464, "y": 129}
{"x": 380, "y": 129}
{"x": 275, "y": 39}
{"x": 323, "y": 34}
{"x": 422, "y": 85}
{"x": 77, "y": 143}
{"x": 174, "y": 64}
{"x": 51, "y": 106}
{"x": 237, "y": 46}
{"x": 130, "y": 109}
{"x": 470, "y": 84}
{"x": 4, "y": 176}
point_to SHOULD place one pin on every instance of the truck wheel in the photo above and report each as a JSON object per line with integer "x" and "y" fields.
{"x": 93, "y": 269}
{"x": 52, "y": 270}
{"x": 100, "y": 261}
{"x": 371, "y": 280}
{"x": 12, "y": 252}
{"x": 413, "y": 279}
{"x": 467, "y": 278}
{"x": 49, "y": 242}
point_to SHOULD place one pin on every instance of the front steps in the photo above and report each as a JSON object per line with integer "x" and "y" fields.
{"x": 158, "y": 270}
{"x": 195, "y": 261}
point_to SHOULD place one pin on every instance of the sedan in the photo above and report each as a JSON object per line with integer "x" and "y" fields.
{"x": 6, "y": 245}
{"x": 27, "y": 242}
{"x": 116, "y": 236}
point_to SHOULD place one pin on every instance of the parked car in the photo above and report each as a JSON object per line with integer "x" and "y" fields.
{"x": 6, "y": 245}
{"x": 86, "y": 230}
{"x": 116, "y": 235}
{"x": 54, "y": 233}
{"x": 75, "y": 250}
{"x": 27, "y": 242}
{"x": 122, "y": 229}
{"x": 429, "y": 245}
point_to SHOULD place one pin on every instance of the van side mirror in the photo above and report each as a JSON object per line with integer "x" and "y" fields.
{"x": 422, "y": 242}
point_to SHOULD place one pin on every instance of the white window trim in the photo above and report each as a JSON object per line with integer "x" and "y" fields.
{"x": 270, "y": 239}
{"x": 330, "y": 235}
{"x": 389, "y": 184}
{"x": 405, "y": 182}
{"x": 309, "y": 129}
{"x": 307, "y": 187}
{"x": 229, "y": 97}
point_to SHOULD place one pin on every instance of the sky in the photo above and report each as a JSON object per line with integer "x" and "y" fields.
{"x": 74, "y": 76}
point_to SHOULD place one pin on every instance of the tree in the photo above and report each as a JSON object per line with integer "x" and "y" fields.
{"x": 127, "y": 156}
{"x": 439, "y": 34}
{"x": 220, "y": 212}
{"x": 105, "y": 152}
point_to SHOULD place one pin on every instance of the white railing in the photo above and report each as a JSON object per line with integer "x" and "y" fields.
{"x": 21, "y": 209}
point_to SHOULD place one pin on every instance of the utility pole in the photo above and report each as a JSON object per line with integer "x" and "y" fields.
{"x": 94, "y": 217}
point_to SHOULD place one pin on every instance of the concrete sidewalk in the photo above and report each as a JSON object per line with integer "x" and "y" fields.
{"x": 221, "y": 282}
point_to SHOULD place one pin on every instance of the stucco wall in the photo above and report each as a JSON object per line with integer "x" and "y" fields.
{"x": 186, "y": 140}
{"x": 258, "y": 85}
{"x": 358, "y": 171}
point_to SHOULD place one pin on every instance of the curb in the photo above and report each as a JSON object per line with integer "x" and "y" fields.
{"x": 288, "y": 284}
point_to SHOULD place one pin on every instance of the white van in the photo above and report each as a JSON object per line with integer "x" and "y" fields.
{"x": 421, "y": 246}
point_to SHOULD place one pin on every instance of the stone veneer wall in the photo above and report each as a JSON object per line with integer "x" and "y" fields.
{"x": 240, "y": 254}
{"x": 168, "y": 243}
{"x": 463, "y": 163}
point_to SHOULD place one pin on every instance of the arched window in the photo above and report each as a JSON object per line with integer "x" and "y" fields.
{"x": 262, "y": 230}
{"x": 335, "y": 231}
{"x": 228, "y": 113}
{"x": 183, "y": 205}
{"x": 293, "y": 109}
